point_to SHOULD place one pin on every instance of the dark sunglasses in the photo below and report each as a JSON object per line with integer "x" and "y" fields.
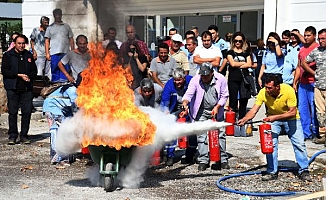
{"x": 235, "y": 41}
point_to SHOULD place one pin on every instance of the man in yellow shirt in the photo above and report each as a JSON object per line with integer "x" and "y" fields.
{"x": 281, "y": 103}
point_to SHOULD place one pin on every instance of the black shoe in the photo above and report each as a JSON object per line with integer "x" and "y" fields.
{"x": 269, "y": 177}
{"x": 202, "y": 166}
{"x": 169, "y": 162}
{"x": 216, "y": 166}
{"x": 188, "y": 160}
{"x": 11, "y": 141}
{"x": 305, "y": 176}
{"x": 24, "y": 140}
{"x": 225, "y": 165}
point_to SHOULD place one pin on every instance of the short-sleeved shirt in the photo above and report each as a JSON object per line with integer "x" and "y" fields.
{"x": 319, "y": 56}
{"x": 182, "y": 60}
{"x": 234, "y": 72}
{"x": 37, "y": 36}
{"x": 305, "y": 77}
{"x": 163, "y": 70}
{"x": 211, "y": 52}
{"x": 77, "y": 61}
{"x": 273, "y": 63}
{"x": 59, "y": 35}
{"x": 281, "y": 103}
{"x": 221, "y": 44}
{"x": 153, "y": 101}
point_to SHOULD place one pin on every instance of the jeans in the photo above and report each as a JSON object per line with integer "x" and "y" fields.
{"x": 24, "y": 100}
{"x": 203, "y": 144}
{"x": 307, "y": 110}
{"x": 294, "y": 132}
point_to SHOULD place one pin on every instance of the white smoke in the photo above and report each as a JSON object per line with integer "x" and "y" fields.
{"x": 71, "y": 132}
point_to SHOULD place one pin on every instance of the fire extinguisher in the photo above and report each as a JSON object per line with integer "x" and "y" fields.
{"x": 156, "y": 158}
{"x": 266, "y": 138}
{"x": 214, "y": 146}
{"x": 85, "y": 150}
{"x": 230, "y": 118}
{"x": 182, "y": 141}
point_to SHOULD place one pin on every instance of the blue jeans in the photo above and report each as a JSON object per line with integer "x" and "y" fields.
{"x": 307, "y": 110}
{"x": 57, "y": 74}
{"x": 294, "y": 132}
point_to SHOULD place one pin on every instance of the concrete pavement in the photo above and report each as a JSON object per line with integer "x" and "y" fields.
{"x": 286, "y": 155}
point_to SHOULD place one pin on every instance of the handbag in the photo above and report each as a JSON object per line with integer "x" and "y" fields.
{"x": 247, "y": 80}
{"x": 49, "y": 89}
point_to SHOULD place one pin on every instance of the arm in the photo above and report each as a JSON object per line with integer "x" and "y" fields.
{"x": 306, "y": 67}
{"x": 301, "y": 38}
{"x": 47, "y": 48}
{"x": 156, "y": 79}
{"x": 234, "y": 63}
{"x": 64, "y": 71}
{"x": 225, "y": 61}
{"x": 296, "y": 77}
{"x": 261, "y": 72}
{"x": 278, "y": 49}
{"x": 250, "y": 115}
{"x": 216, "y": 61}
{"x": 290, "y": 113}
{"x": 141, "y": 66}
{"x": 72, "y": 43}
{"x": 33, "y": 48}
{"x": 199, "y": 60}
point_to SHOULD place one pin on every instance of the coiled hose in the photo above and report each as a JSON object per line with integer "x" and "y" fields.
{"x": 219, "y": 185}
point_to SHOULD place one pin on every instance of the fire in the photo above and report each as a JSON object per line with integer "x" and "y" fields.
{"x": 104, "y": 96}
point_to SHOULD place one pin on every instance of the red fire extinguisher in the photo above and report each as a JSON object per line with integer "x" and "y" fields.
{"x": 182, "y": 141}
{"x": 85, "y": 150}
{"x": 214, "y": 146}
{"x": 156, "y": 158}
{"x": 230, "y": 118}
{"x": 266, "y": 138}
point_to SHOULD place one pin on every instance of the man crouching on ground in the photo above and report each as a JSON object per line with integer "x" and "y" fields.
{"x": 281, "y": 103}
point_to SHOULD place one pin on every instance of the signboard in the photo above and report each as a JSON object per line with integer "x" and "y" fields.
{"x": 226, "y": 18}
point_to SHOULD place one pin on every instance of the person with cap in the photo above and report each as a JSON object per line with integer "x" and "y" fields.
{"x": 58, "y": 106}
{"x": 171, "y": 103}
{"x": 205, "y": 98}
{"x": 148, "y": 94}
{"x": 176, "y": 53}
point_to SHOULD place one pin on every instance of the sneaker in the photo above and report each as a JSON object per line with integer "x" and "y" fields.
{"x": 225, "y": 165}
{"x": 202, "y": 166}
{"x": 269, "y": 177}
{"x": 305, "y": 176}
{"x": 11, "y": 141}
{"x": 24, "y": 140}
{"x": 169, "y": 162}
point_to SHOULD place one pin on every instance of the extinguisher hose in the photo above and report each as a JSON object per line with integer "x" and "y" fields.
{"x": 262, "y": 194}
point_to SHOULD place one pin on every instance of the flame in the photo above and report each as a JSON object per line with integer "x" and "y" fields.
{"x": 104, "y": 96}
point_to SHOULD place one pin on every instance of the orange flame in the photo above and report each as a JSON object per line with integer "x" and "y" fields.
{"x": 104, "y": 96}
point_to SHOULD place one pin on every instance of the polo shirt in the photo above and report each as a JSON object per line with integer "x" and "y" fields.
{"x": 163, "y": 70}
{"x": 273, "y": 63}
{"x": 281, "y": 103}
{"x": 182, "y": 60}
{"x": 77, "y": 61}
{"x": 59, "y": 35}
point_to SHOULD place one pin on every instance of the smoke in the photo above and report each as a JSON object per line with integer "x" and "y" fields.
{"x": 71, "y": 132}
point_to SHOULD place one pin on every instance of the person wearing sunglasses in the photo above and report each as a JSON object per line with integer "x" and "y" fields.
{"x": 239, "y": 61}
{"x": 273, "y": 59}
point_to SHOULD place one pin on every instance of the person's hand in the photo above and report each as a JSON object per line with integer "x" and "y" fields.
{"x": 272, "y": 39}
{"x": 295, "y": 87}
{"x": 48, "y": 57}
{"x": 35, "y": 55}
{"x": 271, "y": 118}
{"x": 130, "y": 54}
{"x": 71, "y": 79}
{"x": 135, "y": 55}
{"x": 214, "y": 111}
{"x": 24, "y": 77}
{"x": 242, "y": 121}
{"x": 183, "y": 113}
{"x": 260, "y": 83}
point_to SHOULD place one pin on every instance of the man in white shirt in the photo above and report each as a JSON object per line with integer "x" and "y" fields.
{"x": 208, "y": 52}
{"x": 112, "y": 32}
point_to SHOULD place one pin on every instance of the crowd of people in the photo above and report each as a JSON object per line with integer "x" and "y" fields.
{"x": 196, "y": 78}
